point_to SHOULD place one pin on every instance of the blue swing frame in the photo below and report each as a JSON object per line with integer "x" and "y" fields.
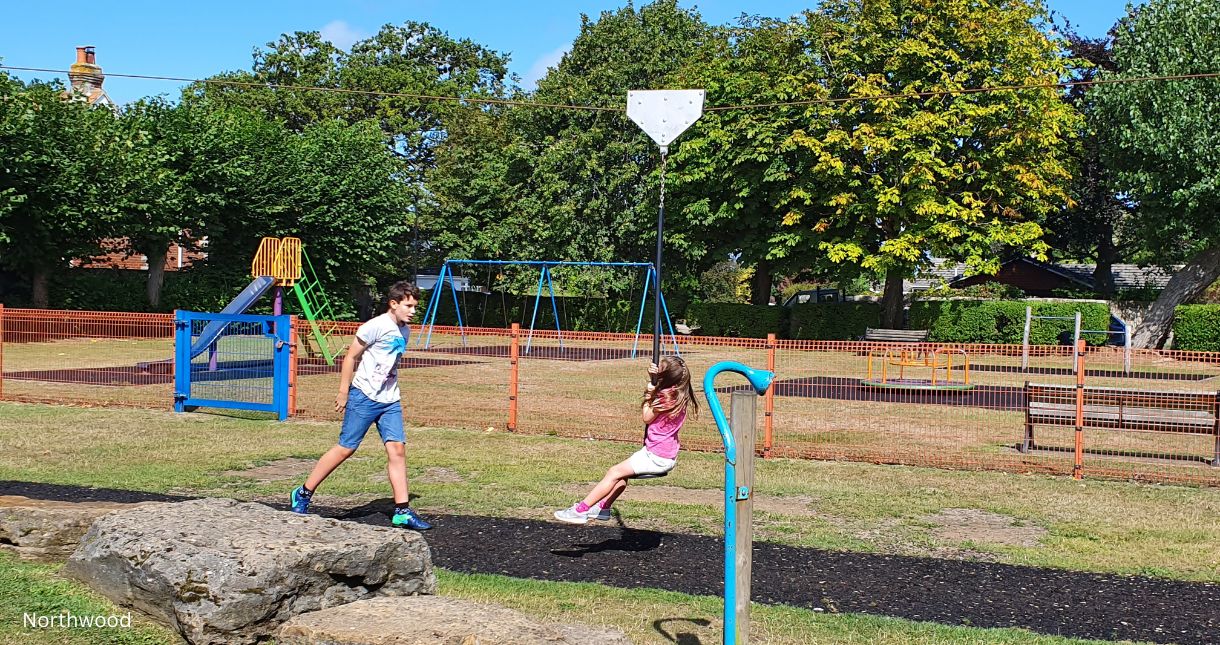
{"x": 544, "y": 277}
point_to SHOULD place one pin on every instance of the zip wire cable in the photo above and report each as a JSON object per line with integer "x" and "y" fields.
{"x": 594, "y": 108}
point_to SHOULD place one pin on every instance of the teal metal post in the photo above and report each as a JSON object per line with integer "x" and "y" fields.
{"x": 760, "y": 380}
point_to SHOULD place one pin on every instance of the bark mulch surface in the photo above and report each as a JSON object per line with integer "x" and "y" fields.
{"x": 953, "y": 592}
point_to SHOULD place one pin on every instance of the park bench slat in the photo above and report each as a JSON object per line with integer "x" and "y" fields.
{"x": 1122, "y": 409}
{"x": 895, "y": 335}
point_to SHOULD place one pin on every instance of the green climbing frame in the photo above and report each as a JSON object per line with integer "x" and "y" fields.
{"x": 317, "y": 311}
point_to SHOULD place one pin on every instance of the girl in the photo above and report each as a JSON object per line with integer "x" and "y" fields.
{"x": 666, "y": 400}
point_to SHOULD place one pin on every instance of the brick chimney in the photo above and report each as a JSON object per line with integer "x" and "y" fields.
{"x": 85, "y": 74}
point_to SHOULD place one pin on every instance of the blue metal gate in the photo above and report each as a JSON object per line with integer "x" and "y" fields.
{"x": 234, "y": 361}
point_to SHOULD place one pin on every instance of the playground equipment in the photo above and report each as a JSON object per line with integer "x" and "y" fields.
{"x": 738, "y": 485}
{"x": 446, "y": 276}
{"x": 663, "y": 115}
{"x": 1078, "y": 333}
{"x": 935, "y": 360}
{"x": 253, "y": 352}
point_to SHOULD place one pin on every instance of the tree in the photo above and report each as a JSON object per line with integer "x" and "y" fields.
{"x": 334, "y": 185}
{"x": 159, "y": 205}
{"x": 414, "y": 58}
{"x": 894, "y": 180}
{"x": 535, "y": 181}
{"x": 735, "y": 167}
{"x": 60, "y": 183}
{"x": 1093, "y": 225}
{"x": 1162, "y": 138}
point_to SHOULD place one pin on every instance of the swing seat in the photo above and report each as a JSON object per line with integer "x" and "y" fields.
{"x": 648, "y": 475}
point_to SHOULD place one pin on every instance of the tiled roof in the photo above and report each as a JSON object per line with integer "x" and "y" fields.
{"x": 1126, "y": 276}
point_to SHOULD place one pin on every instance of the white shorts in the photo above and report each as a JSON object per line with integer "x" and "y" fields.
{"x": 643, "y": 462}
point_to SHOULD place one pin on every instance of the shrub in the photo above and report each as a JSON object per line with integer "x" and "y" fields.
{"x": 1197, "y": 327}
{"x": 735, "y": 319}
{"x": 1003, "y": 321}
{"x": 721, "y": 283}
{"x": 833, "y": 321}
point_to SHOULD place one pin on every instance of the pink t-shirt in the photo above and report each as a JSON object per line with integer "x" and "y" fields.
{"x": 661, "y": 438}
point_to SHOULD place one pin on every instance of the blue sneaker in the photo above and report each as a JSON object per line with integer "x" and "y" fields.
{"x": 300, "y": 500}
{"x": 408, "y": 519}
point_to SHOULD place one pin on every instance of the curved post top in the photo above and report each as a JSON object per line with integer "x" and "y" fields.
{"x": 760, "y": 380}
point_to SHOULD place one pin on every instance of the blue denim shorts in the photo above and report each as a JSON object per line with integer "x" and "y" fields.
{"x": 362, "y": 412}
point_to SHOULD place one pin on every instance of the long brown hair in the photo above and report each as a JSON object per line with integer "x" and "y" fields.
{"x": 673, "y": 393}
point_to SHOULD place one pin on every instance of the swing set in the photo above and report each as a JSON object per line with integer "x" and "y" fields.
{"x": 446, "y": 275}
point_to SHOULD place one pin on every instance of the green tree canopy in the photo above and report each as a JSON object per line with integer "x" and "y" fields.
{"x": 735, "y": 168}
{"x": 61, "y": 181}
{"x": 1162, "y": 138}
{"x": 890, "y": 179}
{"x": 533, "y": 182}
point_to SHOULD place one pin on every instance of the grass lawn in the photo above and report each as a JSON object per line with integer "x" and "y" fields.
{"x": 647, "y": 616}
{"x": 1100, "y": 526}
{"x": 463, "y": 390}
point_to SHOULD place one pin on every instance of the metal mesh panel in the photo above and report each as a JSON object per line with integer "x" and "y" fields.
{"x": 451, "y": 384}
{"x": 89, "y": 358}
{"x": 238, "y": 367}
{"x": 1145, "y": 414}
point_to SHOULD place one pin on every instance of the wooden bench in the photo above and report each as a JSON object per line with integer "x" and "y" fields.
{"x": 1121, "y": 409}
{"x": 895, "y": 335}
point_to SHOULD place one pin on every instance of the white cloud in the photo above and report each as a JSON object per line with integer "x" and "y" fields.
{"x": 540, "y": 66}
{"x": 341, "y": 34}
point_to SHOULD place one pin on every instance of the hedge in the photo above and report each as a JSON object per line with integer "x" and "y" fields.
{"x": 735, "y": 319}
{"x": 1197, "y": 328}
{"x": 833, "y": 321}
{"x": 1002, "y": 322}
{"x": 200, "y": 289}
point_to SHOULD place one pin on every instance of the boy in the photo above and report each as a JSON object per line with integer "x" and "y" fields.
{"x": 375, "y": 398}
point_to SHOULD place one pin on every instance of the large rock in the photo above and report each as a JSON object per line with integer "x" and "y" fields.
{"x": 433, "y": 620}
{"x": 222, "y": 571}
{"x": 48, "y": 529}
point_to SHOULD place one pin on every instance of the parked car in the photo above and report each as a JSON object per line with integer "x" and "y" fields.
{"x": 814, "y": 295}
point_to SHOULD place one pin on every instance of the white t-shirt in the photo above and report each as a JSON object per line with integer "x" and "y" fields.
{"x": 377, "y": 374}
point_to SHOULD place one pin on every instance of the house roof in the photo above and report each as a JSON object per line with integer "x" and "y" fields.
{"x": 1126, "y": 276}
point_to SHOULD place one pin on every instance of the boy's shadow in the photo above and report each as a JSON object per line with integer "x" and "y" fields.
{"x": 634, "y": 540}
{"x": 383, "y": 506}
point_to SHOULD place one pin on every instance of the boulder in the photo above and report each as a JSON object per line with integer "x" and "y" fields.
{"x": 221, "y": 571}
{"x": 48, "y": 529}
{"x": 434, "y": 620}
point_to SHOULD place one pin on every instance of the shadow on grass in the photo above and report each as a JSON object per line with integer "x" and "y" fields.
{"x": 681, "y": 638}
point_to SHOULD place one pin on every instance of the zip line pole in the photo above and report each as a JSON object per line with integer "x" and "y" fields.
{"x": 663, "y": 115}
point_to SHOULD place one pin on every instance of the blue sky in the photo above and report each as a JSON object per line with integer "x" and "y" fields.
{"x": 198, "y": 39}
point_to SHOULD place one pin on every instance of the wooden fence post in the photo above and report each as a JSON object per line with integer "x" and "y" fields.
{"x": 742, "y": 411}
{"x": 514, "y": 357}
{"x": 769, "y": 400}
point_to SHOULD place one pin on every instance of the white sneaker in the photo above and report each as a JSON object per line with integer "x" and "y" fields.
{"x": 600, "y": 514}
{"x": 572, "y": 516}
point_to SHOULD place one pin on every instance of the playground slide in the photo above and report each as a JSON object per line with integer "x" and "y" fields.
{"x": 212, "y": 331}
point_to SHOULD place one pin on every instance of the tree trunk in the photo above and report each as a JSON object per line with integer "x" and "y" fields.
{"x": 891, "y": 300}
{"x": 38, "y": 289}
{"x": 365, "y": 305}
{"x": 156, "y": 279}
{"x": 1107, "y": 253}
{"x": 1192, "y": 280}
{"x": 760, "y": 284}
